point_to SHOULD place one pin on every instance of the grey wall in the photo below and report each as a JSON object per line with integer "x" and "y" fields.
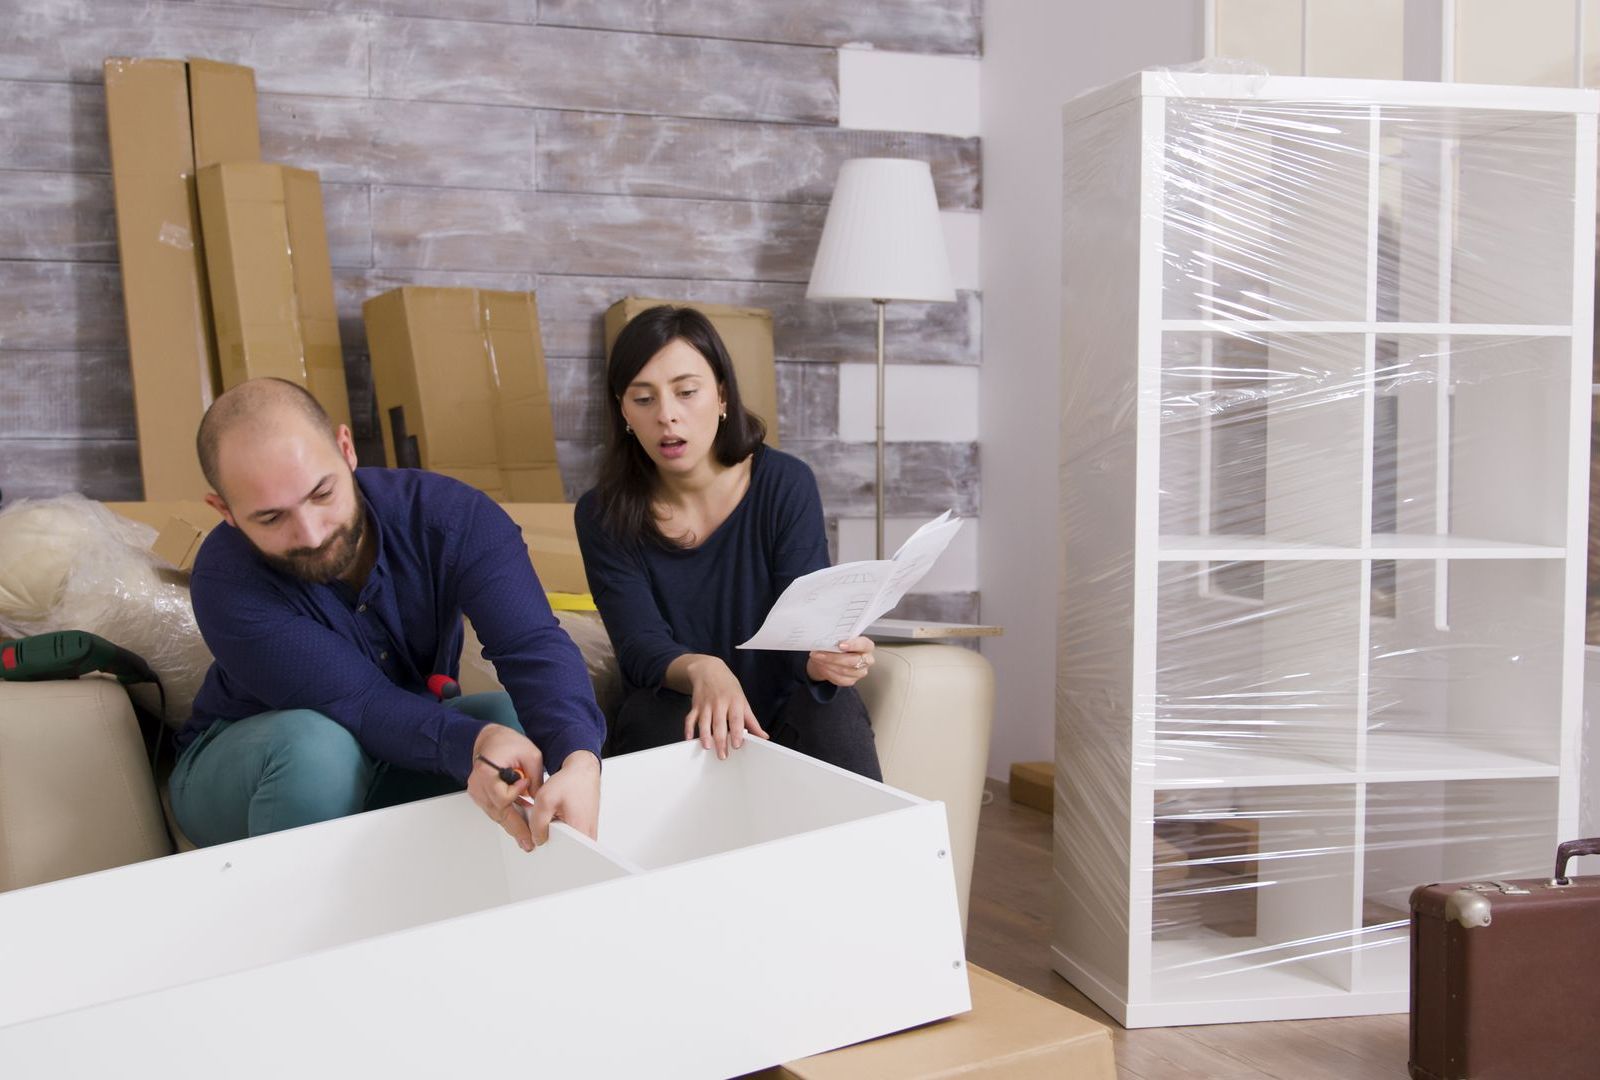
{"x": 585, "y": 149}
{"x": 1037, "y": 58}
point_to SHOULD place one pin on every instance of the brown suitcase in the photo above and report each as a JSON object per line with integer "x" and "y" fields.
{"x": 1505, "y": 977}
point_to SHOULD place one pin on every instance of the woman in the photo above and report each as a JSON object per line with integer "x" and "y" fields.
{"x": 693, "y": 531}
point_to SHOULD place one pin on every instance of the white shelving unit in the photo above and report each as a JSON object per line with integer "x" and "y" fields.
{"x": 1324, "y": 468}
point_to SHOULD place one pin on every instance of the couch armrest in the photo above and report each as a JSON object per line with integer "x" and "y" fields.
{"x": 76, "y": 794}
{"x": 932, "y": 710}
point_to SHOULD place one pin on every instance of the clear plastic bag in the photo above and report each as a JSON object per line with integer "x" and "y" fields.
{"x": 68, "y": 563}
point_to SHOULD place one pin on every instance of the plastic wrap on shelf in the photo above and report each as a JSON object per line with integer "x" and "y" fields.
{"x": 1324, "y": 461}
{"x": 68, "y": 563}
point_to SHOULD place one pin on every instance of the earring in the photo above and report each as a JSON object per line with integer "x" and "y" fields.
{"x": 628, "y": 429}
{"x": 724, "y": 415}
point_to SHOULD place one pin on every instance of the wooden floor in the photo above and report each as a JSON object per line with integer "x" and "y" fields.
{"x": 1009, "y": 933}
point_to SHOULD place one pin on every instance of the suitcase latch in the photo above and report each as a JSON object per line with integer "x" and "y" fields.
{"x": 1469, "y": 906}
{"x": 1504, "y": 887}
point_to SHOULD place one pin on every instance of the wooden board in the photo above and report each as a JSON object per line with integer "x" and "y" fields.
{"x": 98, "y": 468}
{"x": 617, "y": 154}
{"x": 61, "y": 305}
{"x": 544, "y": 232}
{"x": 304, "y": 52}
{"x": 925, "y": 26}
{"x": 803, "y": 330}
{"x": 423, "y": 60}
{"x": 49, "y": 394}
{"x": 915, "y": 630}
{"x": 426, "y": 144}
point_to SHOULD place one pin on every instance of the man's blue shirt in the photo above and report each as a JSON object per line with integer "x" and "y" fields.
{"x": 363, "y": 660}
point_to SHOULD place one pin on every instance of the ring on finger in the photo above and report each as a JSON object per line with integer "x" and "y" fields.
{"x": 861, "y": 663}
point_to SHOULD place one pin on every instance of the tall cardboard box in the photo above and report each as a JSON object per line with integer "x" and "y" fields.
{"x": 747, "y": 333}
{"x": 271, "y": 284}
{"x": 163, "y": 116}
{"x": 461, "y": 372}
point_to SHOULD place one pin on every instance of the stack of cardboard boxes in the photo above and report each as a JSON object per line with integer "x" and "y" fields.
{"x": 227, "y": 277}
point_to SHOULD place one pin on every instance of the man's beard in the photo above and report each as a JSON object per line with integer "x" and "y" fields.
{"x": 328, "y": 562}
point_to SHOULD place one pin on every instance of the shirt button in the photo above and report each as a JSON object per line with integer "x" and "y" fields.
{"x": 383, "y": 656}
{"x": 361, "y": 609}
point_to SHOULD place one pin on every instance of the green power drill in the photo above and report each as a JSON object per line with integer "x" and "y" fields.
{"x": 67, "y": 654}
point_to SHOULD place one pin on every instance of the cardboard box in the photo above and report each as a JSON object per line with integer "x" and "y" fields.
{"x": 813, "y": 892}
{"x": 1033, "y": 783}
{"x": 1010, "y": 1032}
{"x": 271, "y": 284}
{"x": 747, "y": 333}
{"x": 548, "y": 528}
{"x": 222, "y": 111}
{"x": 178, "y": 543}
{"x": 460, "y": 378}
{"x": 552, "y": 539}
{"x": 161, "y": 114}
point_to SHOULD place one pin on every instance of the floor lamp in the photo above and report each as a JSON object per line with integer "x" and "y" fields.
{"x": 882, "y": 241}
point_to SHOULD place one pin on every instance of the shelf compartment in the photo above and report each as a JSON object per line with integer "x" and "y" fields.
{"x": 1478, "y": 439}
{"x": 1460, "y": 830}
{"x": 1265, "y": 216}
{"x": 1260, "y": 436}
{"x": 1463, "y": 238}
{"x": 1254, "y": 685}
{"x": 1473, "y": 685}
{"x": 1252, "y": 884}
{"x": 1189, "y": 763}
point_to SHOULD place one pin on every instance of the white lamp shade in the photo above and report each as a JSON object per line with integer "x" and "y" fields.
{"x": 883, "y": 239}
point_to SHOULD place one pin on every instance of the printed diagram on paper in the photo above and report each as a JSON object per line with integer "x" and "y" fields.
{"x": 828, "y": 606}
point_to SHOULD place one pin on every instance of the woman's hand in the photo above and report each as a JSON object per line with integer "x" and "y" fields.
{"x": 719, "y": 712}
{"x": 844, "y": 668}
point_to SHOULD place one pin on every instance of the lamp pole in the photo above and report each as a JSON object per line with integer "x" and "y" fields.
{"x": 882, "y": 306}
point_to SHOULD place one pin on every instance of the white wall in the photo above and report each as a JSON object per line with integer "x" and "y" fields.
{"x": 1037, "y": 55}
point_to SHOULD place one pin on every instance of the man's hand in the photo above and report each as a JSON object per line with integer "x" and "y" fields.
{"x": 844, "y": 668}
{"x": 512, "y": 750}
{"x": 571, "y": 796}
{"x": 719, "y": 712}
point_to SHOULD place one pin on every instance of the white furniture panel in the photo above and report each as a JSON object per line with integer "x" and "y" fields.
{"x": 804, "y": 907}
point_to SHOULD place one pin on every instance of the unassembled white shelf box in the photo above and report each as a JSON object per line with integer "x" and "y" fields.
{"x": 737, "y": 914}
{"x": 1324, "y": 469}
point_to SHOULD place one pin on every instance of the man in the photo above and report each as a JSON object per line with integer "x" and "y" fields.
{"x": 328, "y": 598}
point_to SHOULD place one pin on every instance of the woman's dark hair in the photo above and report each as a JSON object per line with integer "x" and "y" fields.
{"x": 627, "y": 475}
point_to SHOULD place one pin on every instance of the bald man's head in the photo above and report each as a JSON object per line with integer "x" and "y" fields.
{"x": 254, "y": 407}
{"x": 282, "y": 474}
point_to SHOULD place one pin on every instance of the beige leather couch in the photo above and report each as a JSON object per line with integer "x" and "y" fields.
{"x": 77, "y": 795}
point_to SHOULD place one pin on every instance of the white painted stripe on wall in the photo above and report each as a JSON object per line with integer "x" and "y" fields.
{"x": 893, "y": 91}
{"x": 962, "y": 232}
{"x": 956, "y": 570}
{"x": 926, "y": 402}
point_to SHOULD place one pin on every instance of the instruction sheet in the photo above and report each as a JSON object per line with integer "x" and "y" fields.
{"x": 829, "y": 606}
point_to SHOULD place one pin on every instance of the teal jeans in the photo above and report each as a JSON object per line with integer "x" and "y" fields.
{"x": 280, "y": 770}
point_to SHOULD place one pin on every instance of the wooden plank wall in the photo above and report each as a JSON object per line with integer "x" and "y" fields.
{"x": 586, "y": 149}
